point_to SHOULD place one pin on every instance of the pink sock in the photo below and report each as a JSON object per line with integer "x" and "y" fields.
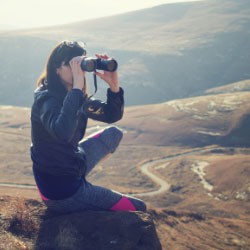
{"x": 124, "y": 204}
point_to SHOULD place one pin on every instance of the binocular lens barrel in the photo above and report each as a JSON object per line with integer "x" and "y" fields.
{"x": 91, "y": 64}
{"x": 88, "y": 64}
{"x": 107, "y": 65}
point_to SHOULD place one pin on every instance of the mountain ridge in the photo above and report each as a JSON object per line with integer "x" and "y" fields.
{"x": 165, "y": 52}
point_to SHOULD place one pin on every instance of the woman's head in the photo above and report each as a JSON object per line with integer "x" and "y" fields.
{"x": 55, "y": 72}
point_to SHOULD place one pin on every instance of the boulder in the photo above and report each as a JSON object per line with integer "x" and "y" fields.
{"x": 98, "y": 231}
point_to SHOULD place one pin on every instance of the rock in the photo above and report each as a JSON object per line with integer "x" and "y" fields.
{"x": 98, "y": 231}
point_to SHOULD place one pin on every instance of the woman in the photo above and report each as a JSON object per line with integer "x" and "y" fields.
{"x": 61, "y": 159}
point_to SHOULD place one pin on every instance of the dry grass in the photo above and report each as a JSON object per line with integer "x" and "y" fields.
{"x": 10, "y": 242}
{"x": 22, "y": 222}
{"x": 177, "y": 228}
{"x": 19, "y": 222}
{"x": 153, "y": 132}
{"x": 182, "y": 230}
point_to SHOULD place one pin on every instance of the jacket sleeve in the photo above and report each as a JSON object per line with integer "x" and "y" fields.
{"x": 110, "y": 111}
{"x": 61, "y": 120}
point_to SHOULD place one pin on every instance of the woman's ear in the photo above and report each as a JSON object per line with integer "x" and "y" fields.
{"x": 59, "y": 68}
{"x": 59, "y": 71}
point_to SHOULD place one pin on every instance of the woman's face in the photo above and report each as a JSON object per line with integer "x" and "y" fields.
{"x": 65, "y": 74}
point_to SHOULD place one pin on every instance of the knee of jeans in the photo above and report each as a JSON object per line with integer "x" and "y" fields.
{"x": 140, "y": 206}
{"x": 143, "y": 207}
{"x": 112, "y": 136}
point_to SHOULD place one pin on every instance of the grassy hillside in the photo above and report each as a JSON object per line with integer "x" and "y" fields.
{"x": 150, "y": 131}
{"x": 165, "y": 52}
{"x": 207, "y": 204}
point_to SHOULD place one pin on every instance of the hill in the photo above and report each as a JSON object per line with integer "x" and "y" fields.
{"x": 164, "y": 53}
{"x": 240, "y": 86}
{"x": 191, "y": 122}
{"x": 25, "y": 224}
{"x": 199, "y": 146}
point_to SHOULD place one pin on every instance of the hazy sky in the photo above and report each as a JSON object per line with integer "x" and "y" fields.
{"x": 34, "y": 13}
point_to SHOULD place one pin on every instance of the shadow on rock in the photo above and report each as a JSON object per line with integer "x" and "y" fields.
{"x": 97, "y": 230}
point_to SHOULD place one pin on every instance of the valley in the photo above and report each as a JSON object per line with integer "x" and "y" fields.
{"x": 188, "y": 159}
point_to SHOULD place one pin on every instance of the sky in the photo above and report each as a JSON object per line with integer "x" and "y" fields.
{"x": 39, "y": 13}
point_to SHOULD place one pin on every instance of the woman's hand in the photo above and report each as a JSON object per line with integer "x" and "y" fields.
{"x": 111, "y": 78}
{"x": 77, "y": 73}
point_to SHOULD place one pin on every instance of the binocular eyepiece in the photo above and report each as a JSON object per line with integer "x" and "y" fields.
{"x": 91, "y": 64}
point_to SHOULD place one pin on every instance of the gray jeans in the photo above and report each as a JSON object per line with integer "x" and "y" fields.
{"x": 88, "y": 196}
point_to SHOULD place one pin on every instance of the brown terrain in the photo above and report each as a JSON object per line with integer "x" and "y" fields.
{"x": 199, "y": 147}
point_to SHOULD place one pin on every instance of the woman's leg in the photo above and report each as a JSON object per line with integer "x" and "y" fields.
{"x": 100, "y": 145}
{"x": 100, "y": 198}
{"x": 90, "y": 197}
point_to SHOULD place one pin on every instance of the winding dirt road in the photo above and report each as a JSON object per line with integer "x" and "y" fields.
{"x": 164, "y": 186}
{"x": 13, "y": 185}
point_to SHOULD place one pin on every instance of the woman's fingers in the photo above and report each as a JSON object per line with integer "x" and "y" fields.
{"x": 102, "y": 56}
{"x": 76, "y": 60}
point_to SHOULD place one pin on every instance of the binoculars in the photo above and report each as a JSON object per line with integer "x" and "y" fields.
{"x": 91, "y": 64}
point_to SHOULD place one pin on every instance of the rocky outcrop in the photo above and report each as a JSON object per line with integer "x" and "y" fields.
{"x": 99, "y": 231}
{"x": 27, "y": 224}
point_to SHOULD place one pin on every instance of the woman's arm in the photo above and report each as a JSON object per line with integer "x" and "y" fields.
{"x": 110, "y": 111}
{"x": 61, "y": 121}
{"x": 111, "y": 78}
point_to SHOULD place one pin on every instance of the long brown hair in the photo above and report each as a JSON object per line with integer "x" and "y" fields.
{"x": 62, "y": 52}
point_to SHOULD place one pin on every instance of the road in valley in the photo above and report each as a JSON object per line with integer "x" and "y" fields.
{"x": 161, "y": 163}
{"x": 145, "y": 169}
